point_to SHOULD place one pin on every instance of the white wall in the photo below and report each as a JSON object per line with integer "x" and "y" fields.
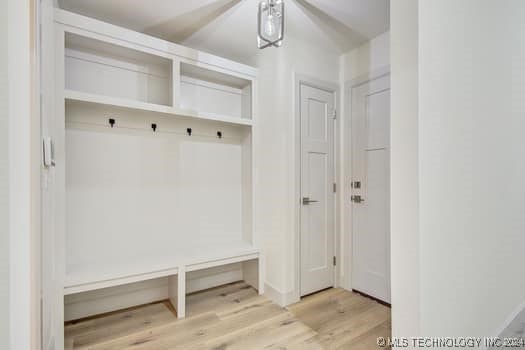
{"x": 472, "y": 168}
{"x": 404, "y": 169}
{"x": 457, "y": 156}
{"x": 24, "y": 157}
{"x": 275, "y": 201}
{"x": 368, "y": 58}
{"x": 4, "y": 184}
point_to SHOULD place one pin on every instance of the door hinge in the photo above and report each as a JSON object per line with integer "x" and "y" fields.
{"x": 335, "y": 261}
{"x": 335, "y": 187}
{"x": 334, "y": 114}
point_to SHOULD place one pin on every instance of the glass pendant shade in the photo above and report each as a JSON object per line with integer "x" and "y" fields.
{"x": 270, "y": 23}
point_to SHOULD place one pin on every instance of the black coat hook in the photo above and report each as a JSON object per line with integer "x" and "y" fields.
{"x": 219, "y": 134}
{"x": 111, "y": 122}
{"x": 188, "y": 130}
{"x": 154, "y": 127}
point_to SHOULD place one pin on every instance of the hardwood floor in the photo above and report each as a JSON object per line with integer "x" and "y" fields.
{"x": 344, "y": 320}
{"x": 236, "y": 317}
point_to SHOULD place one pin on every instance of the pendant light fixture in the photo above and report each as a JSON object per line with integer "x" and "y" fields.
{"x": 270, "y": 23}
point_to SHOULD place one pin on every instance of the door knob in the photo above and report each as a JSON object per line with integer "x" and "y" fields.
{"x": 357, "y": 199}
{"x": 307, "y": 200}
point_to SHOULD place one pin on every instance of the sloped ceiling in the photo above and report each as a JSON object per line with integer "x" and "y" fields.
{"x": 228, "y": 27}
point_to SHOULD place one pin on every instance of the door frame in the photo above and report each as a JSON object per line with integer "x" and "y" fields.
{"x": 346, "y": 205}
{"x": 333, "y": 87}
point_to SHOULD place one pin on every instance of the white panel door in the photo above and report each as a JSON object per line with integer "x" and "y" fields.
{"x": 317, "y": 177}
{"x": 371, "y": 188}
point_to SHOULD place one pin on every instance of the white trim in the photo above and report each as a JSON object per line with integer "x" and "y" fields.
{"x": 333, "y": 87}
{"x": 365, "y": 78}
{"x": 290, "y": 298}
{"x": 282, "y": 299}
{"x": 274, "y": 294}
{"x": 152, "y": 107}
{"x": 24, "y": 177}
{"x": 346, "y": 210}
{"x": 59, "y": 192}
{"x": 85, "y": 287}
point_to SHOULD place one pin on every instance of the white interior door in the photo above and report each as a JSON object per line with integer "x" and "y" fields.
{"x": 317, "y": 197}
{"x": 371, "y": 188}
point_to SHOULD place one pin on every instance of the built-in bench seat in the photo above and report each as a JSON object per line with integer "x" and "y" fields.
{"x": 175, "y": 264}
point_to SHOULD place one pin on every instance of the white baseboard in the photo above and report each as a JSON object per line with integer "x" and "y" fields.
{"x": 506, "y": 324}
{"x": 274, "y": 295}
{"x": 291, "y": 298}
{"x": 280, "y": 298}
{"x": 509, "y": 319}
{"x": 96, "y": 302}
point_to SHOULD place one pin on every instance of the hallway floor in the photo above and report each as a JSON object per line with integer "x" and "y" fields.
{"x": 236, "y": 317}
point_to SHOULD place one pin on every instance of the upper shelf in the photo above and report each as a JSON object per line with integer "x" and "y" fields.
{"x": 98, "y": 68}
{"x": 209, "y": 91}
{"x": 72, "y": 95}
{"x": 126, "y": 37}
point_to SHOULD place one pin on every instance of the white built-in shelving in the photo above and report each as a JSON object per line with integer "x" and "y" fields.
{"x": 154, "y": 163}
{"x": 104, "y": 72}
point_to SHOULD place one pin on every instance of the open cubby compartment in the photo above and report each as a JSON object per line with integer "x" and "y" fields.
{"x": 214, "y": 91}
{"x": 104, "y": 69}
{"x": 99, "y": 301}
{"x": 142, "y": 200}
{"x": 245, "y": 268}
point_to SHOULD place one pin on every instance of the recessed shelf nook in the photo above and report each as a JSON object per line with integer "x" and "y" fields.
{"x": 208, "y": 91}
{"x": 100, "y": 68}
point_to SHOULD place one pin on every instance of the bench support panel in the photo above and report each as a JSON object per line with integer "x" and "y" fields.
{"x": 177, "y": 292}
{"x": 252, "y": 274}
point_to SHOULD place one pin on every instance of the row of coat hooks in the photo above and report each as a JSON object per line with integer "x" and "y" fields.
{"x": 154, "y": 127}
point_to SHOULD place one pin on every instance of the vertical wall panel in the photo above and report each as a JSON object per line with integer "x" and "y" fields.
{"x": 404, "y": 168}
{"x": 4, "y": 185}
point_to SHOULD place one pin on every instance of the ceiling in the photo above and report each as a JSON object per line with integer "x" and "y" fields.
{"x": 228, "y": 27}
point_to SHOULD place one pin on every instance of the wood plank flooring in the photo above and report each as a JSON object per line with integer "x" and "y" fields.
{"x": 236, "y": 317}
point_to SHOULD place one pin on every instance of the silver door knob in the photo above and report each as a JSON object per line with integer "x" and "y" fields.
{"x": 307, "y": 200}
{"x": 357, "y": 199}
